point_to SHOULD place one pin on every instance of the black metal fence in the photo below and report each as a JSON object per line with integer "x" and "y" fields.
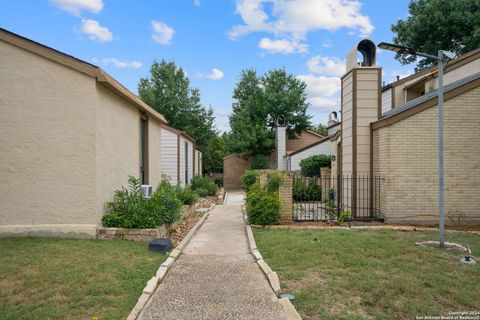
{"x": 324, "y": 198}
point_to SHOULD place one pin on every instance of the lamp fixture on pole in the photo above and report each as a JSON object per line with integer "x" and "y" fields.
{"x": 443, "y": 57}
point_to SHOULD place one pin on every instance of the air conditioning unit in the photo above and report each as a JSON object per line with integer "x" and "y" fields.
{"x": 147, "y": 190}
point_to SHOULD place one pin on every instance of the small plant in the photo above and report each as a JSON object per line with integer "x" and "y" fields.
{"x": 219, "y": 181}
{"x": 331, "y": 194}
{"x": 274, "y": 179}
{"x": 260, "y": 162}
{"x": 455, "y": 217}
{"x": 263, "y": 207}
{"x": 249, "y": 178}
{"x": 307, "y": 191}
{"x": 310, "y": 166}
{"x": 330, "y": 210}
{"x": 344, "y": 215}
{"x": 203, "y": 186}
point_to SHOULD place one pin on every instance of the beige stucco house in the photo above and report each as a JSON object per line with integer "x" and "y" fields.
{"x": 391, "y": 132}
{"x": 70, "y": 135}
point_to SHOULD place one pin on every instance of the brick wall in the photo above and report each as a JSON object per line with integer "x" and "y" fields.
{"x": 405, "y": 154}
{"x": 233, "y": 167}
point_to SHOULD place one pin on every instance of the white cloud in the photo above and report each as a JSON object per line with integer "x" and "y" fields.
{"x": 330, "y": 66}
{"x": 75, "y": 7}
{"x": 298, "y": 17}
{"x": 221, "y": 113}
{"x": 162, "y": 33}
{"x": 95, "y": 31}
{"x": 324, "y": 104}
{"x": 320, "y": 85}
{"x": 283, "y": 46}
{"x": 196, "y": 2}
{"x": 119, "y": 63}
{"x": 320, "y": 90}
{"x": 216, "y": 74}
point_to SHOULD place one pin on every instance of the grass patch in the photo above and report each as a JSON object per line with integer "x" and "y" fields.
{"x": 44, "y": 278}
{"x": 371, "y": 274}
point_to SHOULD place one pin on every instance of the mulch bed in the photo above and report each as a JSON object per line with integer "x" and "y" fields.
{"x": 182, "y": 228}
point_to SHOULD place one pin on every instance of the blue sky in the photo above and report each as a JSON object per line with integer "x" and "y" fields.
{"x": 213, "y": 40}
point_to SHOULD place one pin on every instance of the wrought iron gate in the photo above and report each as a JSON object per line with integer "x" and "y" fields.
{"x": 324, "y": 198}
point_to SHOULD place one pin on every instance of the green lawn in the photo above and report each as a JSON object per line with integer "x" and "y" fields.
{"x": 43, "y": 278}
{"x": 371, "y": 274}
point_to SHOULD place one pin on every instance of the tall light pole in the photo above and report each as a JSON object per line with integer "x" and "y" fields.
{"x": 443, "y": 57}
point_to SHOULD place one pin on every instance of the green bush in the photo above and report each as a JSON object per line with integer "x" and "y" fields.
{"x": 274, "y": 179}
{"x": 306, "y": 191}
{"x": 219, "y": 181}
{"x": 260, "y": 162}
{"x": 310, "y": 166}
{"x": 202, "y": 192}
{"x": 249, "y": 178}
{"x": 130, "y": 209}
{"x": 204, "y": 186}
{"x": 263, "y": 207}
{"x": 187, "y": 195}
{"x": 345, "y": 214}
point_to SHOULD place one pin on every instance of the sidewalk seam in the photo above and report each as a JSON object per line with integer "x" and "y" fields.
{"x": 272, "y": 277}
{"x": 162, "y": 271}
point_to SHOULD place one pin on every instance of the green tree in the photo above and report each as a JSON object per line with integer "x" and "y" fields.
{"x": 259, "y": 101}
{"x": 321, "y": 129}
{"x": 167, "y": 90}
{"x": 213, "y": 154}
{"x": 434, "y": 25}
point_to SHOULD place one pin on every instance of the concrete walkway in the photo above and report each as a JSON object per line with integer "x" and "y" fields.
{"x": 216, "y": 277}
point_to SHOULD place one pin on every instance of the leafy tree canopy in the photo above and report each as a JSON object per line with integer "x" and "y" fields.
{"x": 321, "y": 129}
{"x": 167, "y": 90}
{"x": 259, "y": 101}
{"x": 434, "y": 25}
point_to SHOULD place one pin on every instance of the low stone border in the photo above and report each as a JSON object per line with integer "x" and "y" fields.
{"x": 395, "y": 228}
{"x": 162, "y": 271}
{"x": 145, "y": 235}
{"x": 271, "y": 275}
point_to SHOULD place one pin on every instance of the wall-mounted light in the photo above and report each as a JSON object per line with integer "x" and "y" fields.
{"x": 333, "y": 158}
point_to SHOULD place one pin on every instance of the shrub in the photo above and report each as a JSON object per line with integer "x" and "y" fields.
{"x": 219, "y": 181}
{"x": 165, "y": 205}
{"x": 345, "y": 214}
{"x": 274, "y": 179}
{"x": 130, "y": 209}
{"x": 260, "y": 162}
{"x": 249, "y": 178}
{"x": 311, "y": 166}
{"x": 209, "y": 188}
{"x": 187, "y": 195}
{"x": 306, "y": 191}
{"x": 202, "y": 192}
{"x": 263, "y": 207}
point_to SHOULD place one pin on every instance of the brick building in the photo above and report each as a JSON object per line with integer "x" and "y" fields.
{"x": 391, "y": 132}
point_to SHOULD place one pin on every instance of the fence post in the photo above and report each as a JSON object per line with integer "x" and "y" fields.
{"x": 285, "y": 192}
{"x": 325, "y": 176}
